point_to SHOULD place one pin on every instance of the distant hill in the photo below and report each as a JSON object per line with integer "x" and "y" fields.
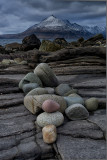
{"x": 53, "y": 27}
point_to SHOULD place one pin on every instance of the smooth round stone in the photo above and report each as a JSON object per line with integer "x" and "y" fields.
{"x": 55, "y": 118}
{"x": 91, "y": 104}
{"x": 74, "y": 99}
{"x": 46, "y": 75}
{"x": 50, "y": 106}
{"x": 76, "y": 112}
{"x": 30, "y": 78}
{"x": 62, "y": 89}
{"x": 49, "y": 134}
{"x": 23, "y": 62}
{"x": 50, "y": 90}
{"x": 74, "y": 95}
{"x": 39, "y": 99}
{"x": 28, "y": 87}
{"x": 34, "y": 103}
{"x": 29, "y": 103}
{"x": 72, "y": 91}
{"x": 38, "y": 91}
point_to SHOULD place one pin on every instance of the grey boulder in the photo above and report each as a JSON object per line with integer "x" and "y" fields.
{"x": 28, "y": 87}
{"x": 74, "y": 98}
{"x": 38, "y": 91}
{"x": 30, "y": 78}
{"x": 62, "y": 89}
{"x": 76, "y": 112}
{"x": 46, "y": 75}
{"x": 55, "y": 118}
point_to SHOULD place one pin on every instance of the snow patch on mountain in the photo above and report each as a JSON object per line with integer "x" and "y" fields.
{"x": 51, "y": 22}
{"x": 95, "y": 29}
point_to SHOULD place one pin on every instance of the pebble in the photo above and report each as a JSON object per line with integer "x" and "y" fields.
{"x": 28, "y": 87}
{"x": 49, "y": 134}
{"x": 50, "y": 106}
{"x": 91, "y": 104}
{"x": 55, "y": 118}
{"x": 77, "y": 112}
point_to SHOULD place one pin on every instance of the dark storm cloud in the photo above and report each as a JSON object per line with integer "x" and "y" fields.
{"x": 18, "y": 15}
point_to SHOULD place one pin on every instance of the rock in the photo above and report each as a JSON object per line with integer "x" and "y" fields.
{"x": 67, "y": 54}
{"x": 28, "y": 87}
{"x": 30, "y": 42}
{"x": 81, "y": 128}
{"x": 46, "y": 149}
{"x": 74, "y": 98}
{"x": 2, "y": 50}
{"x": 81, "y": 39}
{"x": 38, "y": 91}
{"x": 62, "y": 89}
{"x": 49, "y": 46}
{"x": 17, "y": 60}
{"x": 13, "y": 46}
{"x": 75, "y": 44}
{"x": 61, "y": 41}
{"x": 74, "y": 95}
{"x": 34, "y": 103}
{"x": 46, "y": 75}
{"x": 6, "y": 61}
{"x": 50, "y": 106}
{"x": 72, "y": 91}
{"x": 82, "y": 139}
{"x": 98, "y": 43}
{"x": 81, "y": 148}
{"x": 23, "y": 63}
{"x": 99, "y": 119}
{"x": 30, "y": 78}
{"x": 29, "y": 103}
{"x": 92, "y": 41}
{"x": 55, "y": 118}
{"x": 76, "y": 112}
{"x": 91, "y": 104}
{"x": 50, "y": 90}
{"x": 49, "y": 134}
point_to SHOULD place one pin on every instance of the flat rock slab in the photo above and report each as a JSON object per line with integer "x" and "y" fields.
{"x": 97, "y": 83}
{"x": 81, "y": 129}
{"x": 80, "y": 148}
{"x": 17, "y": 134}
{"x": 47, "y": 150}
{"x": 99, "y": 118}
{"x": 16, "y": 77}
{"x": 19, "y": 137}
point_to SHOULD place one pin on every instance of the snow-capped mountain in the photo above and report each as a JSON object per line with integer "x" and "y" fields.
{"x": 53, "y": 27}
{"x": 53, "y": 23}
{"x": 95, "y": 29}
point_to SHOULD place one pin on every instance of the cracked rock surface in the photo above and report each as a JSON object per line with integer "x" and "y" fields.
{"x": 21, "y": 139}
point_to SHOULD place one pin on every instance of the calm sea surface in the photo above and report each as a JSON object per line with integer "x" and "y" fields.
{"x": 7, "y": 41}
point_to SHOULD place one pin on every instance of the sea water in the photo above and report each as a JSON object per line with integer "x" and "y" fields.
{"x": 3, "y": 42}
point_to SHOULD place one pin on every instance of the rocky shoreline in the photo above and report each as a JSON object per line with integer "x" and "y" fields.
{"x": 83, "y": 68}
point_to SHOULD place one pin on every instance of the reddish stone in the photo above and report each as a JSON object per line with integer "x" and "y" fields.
{"x": 50, "y": 106}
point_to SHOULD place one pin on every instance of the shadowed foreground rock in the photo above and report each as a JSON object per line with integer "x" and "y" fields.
{"x": 20, "y": 139}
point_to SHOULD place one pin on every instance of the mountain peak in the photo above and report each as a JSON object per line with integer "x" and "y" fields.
{"x": 51, "y": 21}
{"x": 52, "y": 17}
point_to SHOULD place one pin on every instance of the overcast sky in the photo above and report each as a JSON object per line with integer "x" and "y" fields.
{"x": 17, "y": 15}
